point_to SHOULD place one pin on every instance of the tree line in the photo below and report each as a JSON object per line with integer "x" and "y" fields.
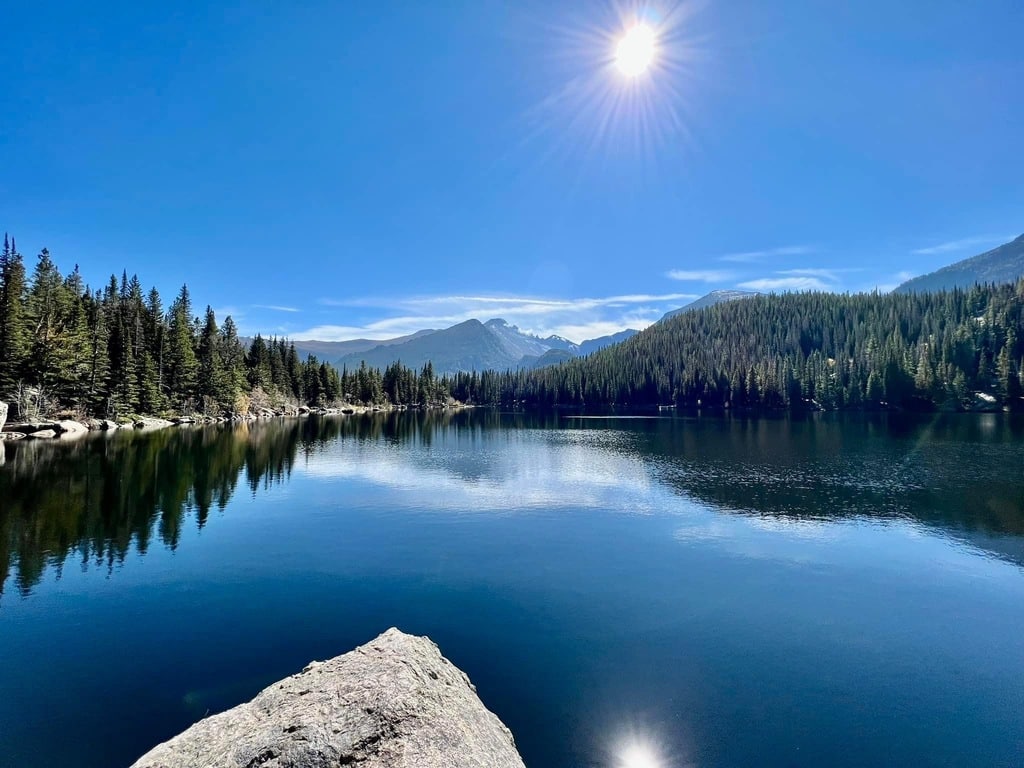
{"x": 799, "y": 350}
{"x": 116, "y": 352}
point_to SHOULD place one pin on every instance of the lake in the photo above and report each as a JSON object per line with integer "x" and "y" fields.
{"x": 724, "y": 591}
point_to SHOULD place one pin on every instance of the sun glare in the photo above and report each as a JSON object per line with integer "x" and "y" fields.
{"x": 635, "y": 51}
{"x": 638, "y": 756}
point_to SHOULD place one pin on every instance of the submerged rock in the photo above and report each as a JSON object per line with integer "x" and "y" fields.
{"x": 43, "y": 434}
{"x": 395, "y": 702}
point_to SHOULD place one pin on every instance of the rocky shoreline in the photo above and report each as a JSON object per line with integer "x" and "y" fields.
{"x": 58, "y": 427}
{"x": 395, "y": 702}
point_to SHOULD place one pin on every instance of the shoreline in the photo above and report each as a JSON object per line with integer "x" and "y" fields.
{"x": 62, "y": 425}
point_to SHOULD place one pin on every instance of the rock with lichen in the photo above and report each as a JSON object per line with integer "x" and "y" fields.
{"x": 395, "y": 702}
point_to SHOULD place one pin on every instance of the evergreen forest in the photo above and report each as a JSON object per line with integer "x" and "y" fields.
{"x": 949, "y": 350}
{"x": 117, "y": 351}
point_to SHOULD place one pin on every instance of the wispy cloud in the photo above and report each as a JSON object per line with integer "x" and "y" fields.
{"x": 701, "y": 275}
{"x": 787, "y": 284}
{"x": 962, "y": 244}
{"x": 745, "y": 257}
{"x": 276, "y": 308}
{"x": 576, "y": 318}
{"x": 825, "y": 273}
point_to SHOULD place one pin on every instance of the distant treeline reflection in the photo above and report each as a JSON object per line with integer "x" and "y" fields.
{"x": 99, "y": 497}
{"x": 96, "y": 499}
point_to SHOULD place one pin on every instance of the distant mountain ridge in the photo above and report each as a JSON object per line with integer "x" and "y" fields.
{"x": 332, "y": 350}
{"x": 1004, "y": 264}
{"x": 497, "y": 345}
{"x": 471, "y": 346}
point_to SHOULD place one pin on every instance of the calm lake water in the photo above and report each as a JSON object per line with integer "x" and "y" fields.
{"x": 806, "y": 591}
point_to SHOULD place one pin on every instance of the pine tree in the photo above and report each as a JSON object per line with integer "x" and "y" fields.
{"x": 259, "y": 364}
{"x": 48, "y": 313}
{"x": 152, "y": 391}
{"x": 98, "y": 376}
{"x": 211, "y": 364}
{"x": 233, "y": 361}
{"x": 73, "y": 388}
{"x": 181, "y": 362}
{"x": 14, "y": 342}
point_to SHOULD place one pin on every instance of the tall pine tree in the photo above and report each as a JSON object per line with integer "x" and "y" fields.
{"x": 14, "y": 339}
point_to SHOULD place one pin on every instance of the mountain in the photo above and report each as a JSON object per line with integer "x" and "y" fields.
{"x": 471, "y": 346}
{"x": 818, "y": 350}
{"x": 332, "y": 350}
{"x": 557, "y": 355}
{"x": 519, "y": 344}
{"x": 715, "y": 297}
{"x": 1004, "y": 264}
{"x": 468, "y": 346}
{"x": 551, "y": 357}
{"x": 592, "y": 345}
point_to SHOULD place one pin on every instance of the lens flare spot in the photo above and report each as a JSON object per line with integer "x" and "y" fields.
{"x": 635, "y": 51}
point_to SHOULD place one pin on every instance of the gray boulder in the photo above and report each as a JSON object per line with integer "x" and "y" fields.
{"x": 28, "y": 427}
{"x": 101, "y": 425}
{"x": 69, "y": 427}
{"x": 395, "y": 702}
{"x": 3, "y": 414}
{"x": 149, "y": 423}
{"x": 43, "y": 434}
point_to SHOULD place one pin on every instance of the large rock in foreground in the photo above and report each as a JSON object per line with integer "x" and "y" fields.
{"x": 394, "y": 702}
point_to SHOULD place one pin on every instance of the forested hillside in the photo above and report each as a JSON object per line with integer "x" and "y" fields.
{"x": 797, "y": 350}
{"x": 116, "y": 351}
{"x": 1004, "y": 264}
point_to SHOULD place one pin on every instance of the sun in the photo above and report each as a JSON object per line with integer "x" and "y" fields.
{"x": 635, "y": 51}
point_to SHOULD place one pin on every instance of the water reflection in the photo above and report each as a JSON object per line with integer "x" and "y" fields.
{"x": 638, "y": 756}
{"x": 98, "y": 498}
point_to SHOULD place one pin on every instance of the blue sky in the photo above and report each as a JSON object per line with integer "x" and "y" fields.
{"x": 334, "y": 169}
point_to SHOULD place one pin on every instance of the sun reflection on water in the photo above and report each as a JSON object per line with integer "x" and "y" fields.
{"x": 636, "y": 755}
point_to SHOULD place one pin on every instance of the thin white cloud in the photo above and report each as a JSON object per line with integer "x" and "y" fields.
{"x": 527, "y": 304}
{"x": 276, "y": 308}
{"x": 962, "y": 244}
{"x": 576, "y": 319}
{"x": 830, "y": 274}
{"x": 749, "y": 256}
{"x": 787, "y": 284}
{"x": 701, "y": 275}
